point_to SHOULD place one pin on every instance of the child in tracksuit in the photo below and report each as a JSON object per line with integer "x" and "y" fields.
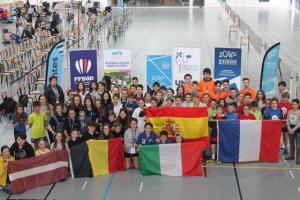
{"x": 273, "y": 112}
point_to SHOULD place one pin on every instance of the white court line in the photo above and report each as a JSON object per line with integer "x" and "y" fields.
{"x": 292, "y": 175}
{"x": 141, "y": 186}
{"x": 298, "y": 189}
{"x": 83, "y": 187}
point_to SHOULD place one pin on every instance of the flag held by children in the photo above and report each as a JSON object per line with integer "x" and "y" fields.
{"x": 171, "y": 159}
{"x": 192, "y": 123}
{"x": 98, "y": 157}
{"x": 249, "y": 140}
{"x": 34, "y": 172}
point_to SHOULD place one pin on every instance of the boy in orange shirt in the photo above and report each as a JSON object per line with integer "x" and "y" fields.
{"x": 188, "y": 87}
{"x": 248, "y": 89}
{"x": 207, "y": 84}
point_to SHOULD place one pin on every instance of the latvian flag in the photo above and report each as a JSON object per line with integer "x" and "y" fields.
{"x": 249, "y": 140}
{"x": 34, "y": 172}
{"x": 98, "y": 157}
{"x": 171, "y": 159}
{"x": 192, "y": 123}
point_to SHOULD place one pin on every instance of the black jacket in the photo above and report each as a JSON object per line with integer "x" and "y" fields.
{"x": 51, "y": 95}
{"x": 26, "y": 151}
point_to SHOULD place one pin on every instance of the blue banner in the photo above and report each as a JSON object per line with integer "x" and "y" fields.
{"x": 228, "y": 65}
{"x": 159, "y": 69}
{"x": 121, "y": 5}
{"x": 83, "y": 67}
{"x": 269, "y": 70}
{"x": 55, "y": 62}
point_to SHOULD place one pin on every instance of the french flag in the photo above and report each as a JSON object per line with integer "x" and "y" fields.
{"x": 249, "y": 140}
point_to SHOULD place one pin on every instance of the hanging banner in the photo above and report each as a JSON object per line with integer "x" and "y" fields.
{"x": 228, "y": 65}
{"x": 55, "y": 62}
{"x": 83, "y": 67}
{"x": 268, "y": 79}
{"x": 159, "y": 69}
{"x": 185, "y": 60}
{"x": 117, "y": 65}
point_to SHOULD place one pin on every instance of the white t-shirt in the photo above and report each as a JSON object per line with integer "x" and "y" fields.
{"x": 141, "y": 120}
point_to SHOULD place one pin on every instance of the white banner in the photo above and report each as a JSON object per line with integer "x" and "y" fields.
{"x": 185, "y": 60}
{"x": 117, "y": 60}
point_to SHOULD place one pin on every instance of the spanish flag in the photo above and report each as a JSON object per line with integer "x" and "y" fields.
{"x": 192, "y": 123}
{"x": 98, "y": 157}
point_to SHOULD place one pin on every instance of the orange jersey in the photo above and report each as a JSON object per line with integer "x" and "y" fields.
{"x": 188, "y": 88}
{"x": 249, "y": 90}
{"x": 217, "y": 96}
{"x": 206, "y": 87}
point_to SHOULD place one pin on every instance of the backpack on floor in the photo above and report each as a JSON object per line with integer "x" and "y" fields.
{"x": 8, "y": 106}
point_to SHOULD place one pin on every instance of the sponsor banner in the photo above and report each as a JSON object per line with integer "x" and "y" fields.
{"x": 83, "y": 67}
{"x": 185, "y": 60}
{"x": 117, "y": 65}
{"x": 55, "y": 62}
{"x": 268, "y": 80}
{"x": 159, "y": 69}
{"x": 228, "y": 65}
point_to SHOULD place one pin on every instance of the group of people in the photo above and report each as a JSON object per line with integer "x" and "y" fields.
{"x": 105, "y": 111}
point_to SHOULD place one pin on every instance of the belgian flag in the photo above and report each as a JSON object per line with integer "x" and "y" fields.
{"x": 98, "y": 157}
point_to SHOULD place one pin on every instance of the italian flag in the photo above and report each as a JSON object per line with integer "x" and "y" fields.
{"x": 171, "y": 159}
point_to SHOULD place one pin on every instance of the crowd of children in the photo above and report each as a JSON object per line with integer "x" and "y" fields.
{"x": 107, "y": 111}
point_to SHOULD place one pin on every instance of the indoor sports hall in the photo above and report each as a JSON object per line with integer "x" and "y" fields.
{"x": 149, "y": 99}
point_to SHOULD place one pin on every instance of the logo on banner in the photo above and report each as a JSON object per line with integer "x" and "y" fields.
{"x": 83, "y": 66}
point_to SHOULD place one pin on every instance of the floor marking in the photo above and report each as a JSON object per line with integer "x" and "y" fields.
{"x": 141, "y": 186}
{"x": 292, "y": 175}
{"x": 83, "y": 187}
{"x": 253, "y": 167}
{"x": 107, "y": 187}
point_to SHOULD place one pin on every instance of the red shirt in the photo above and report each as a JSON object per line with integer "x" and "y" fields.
{"x": 249, "y": 117}
{"x": 285, "y": 107}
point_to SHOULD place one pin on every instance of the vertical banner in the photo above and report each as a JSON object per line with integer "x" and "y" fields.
{"x": 185, "y": 60}
{"x": 269, "y": 70}
{"x": 228, "y": 65}
{"x": 117, "y": 65}
{"x": 55, "y": 62}
{"x": 159, "y": 69}
{"x": 121, "y": 5}
{"x": 83, "y": 67}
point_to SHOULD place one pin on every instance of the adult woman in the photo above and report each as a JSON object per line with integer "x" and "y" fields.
{"x": 4, "y": 159}
{"x": 293, "y": 125}
{"x": 80, "y": 90}
{"x": 130, "y": 144}
{"x": 54, "y": 92}
{"x": 57, "y": 122}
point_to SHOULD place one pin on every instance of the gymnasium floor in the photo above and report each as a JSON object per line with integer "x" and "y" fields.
{"x": 156, "y": 31}
{"x": 220, "y": 183}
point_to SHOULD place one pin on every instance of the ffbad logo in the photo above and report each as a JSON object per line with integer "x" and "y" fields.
{"x": 83, "y": 66}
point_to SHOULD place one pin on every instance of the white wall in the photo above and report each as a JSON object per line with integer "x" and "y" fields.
{"x": 256, "y": 3}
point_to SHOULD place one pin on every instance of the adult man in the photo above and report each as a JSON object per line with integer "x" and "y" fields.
{"x": 54, "y": 92}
